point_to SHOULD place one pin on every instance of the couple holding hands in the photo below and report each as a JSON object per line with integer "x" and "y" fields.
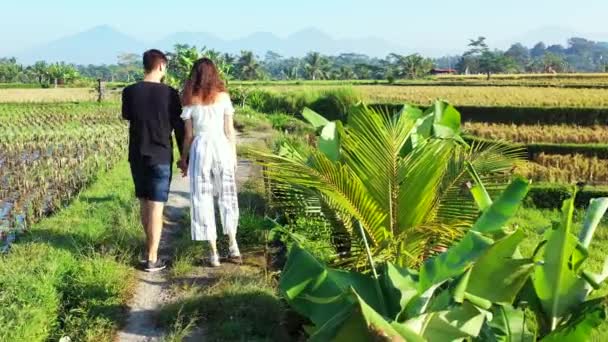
{"x": 202, "y": 120}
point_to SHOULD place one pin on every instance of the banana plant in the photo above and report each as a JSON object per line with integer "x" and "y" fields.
{"x": 429, "y": 304}
{"x": 401, "y": 175}
{"x": 478, "y": 290}
{"x": 560, "y": 284}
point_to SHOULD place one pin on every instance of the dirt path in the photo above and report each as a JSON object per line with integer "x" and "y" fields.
{"x": 152, "y": 290}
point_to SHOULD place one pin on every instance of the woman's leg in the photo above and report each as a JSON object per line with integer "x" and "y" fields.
{"x": 201, "y": 195}
{"x": 229, "y": 208}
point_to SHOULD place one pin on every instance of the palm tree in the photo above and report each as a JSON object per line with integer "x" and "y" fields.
{"x": 346, "y": 73}
{"x": 411, "y": 66}
{"x": 399, "y": 178}
{"x": 248, "y": 65}
{"x": 180, "y": 64}
{"x": 41, "y": 70}
{"x": 316, "y": 66}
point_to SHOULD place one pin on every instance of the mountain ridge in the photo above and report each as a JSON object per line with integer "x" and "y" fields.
{"x": 102, "y": 44}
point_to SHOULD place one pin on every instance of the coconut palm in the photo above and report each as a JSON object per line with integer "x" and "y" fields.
{"x": 248, "y": 65}
{"x": 346, "y": 73}
{"x": 411, "y": 66}
{"x": 400, "y": 178}
{"x": 316, "y": 66}
{"x": 41, "y": 70}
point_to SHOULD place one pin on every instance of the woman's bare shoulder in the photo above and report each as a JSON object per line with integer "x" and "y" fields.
{"x": 223, "y": 96}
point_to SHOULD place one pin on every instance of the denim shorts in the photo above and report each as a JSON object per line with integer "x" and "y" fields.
{"x": 151, "y": 181}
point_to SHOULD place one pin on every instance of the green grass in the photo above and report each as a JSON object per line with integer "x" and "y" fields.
{"x": 238, "y": 305}
{"x": 70, "y": 275}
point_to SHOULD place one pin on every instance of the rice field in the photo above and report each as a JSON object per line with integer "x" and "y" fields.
{"x": 48, "y": 152}
{"x": 485, "y": 96}
{"x": 566, "y": 169}
{"x": 52, "y": 95}
{"x": 581, "y": 77}
{"x": 597, "y": 134}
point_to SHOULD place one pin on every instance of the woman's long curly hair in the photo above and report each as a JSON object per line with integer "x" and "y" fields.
{"x": 203, "y": 84}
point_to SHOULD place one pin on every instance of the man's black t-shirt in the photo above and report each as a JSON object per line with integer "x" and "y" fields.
{"x": 153, "y": 111}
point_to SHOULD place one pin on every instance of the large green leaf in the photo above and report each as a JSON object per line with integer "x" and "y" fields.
{"x": 507, "y": 325}
{"x": 401, "y": 287}
{"x": 329, "y": 141}
{"x": 496, "y": 216}
{"x": 364, "y": 324}
{"x": 454, "y": 261}
{"x": 556, "y": 283}
{"x": 316, "y": 120}
{"x": 478, "y": 189}
{"x": 320, "y": 293}
{"x": 596, "y": 210}
{"x": 446, "y": 115}
{"x": 422, "y": 130}
{"x": 463, "y": 254}
{"x": 460, "y": 322}
{"x": 497, "y": 276}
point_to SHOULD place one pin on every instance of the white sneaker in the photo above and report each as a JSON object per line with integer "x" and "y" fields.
{"x": 233, "y": 251}
{"x": 214, "y": 260}
{"x": 234, "y": 255}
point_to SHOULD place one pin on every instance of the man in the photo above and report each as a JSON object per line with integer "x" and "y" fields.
{"x": 153, "y": 111}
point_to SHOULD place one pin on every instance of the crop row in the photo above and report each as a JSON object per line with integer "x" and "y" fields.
{"x": 47, "y": 157}
{"x": 590, "y": 77}
{"x": 57, "y": 111}
{"x": 335, "y": 101}
{"x": 53, "y": 95}
{"x": 474, "y": 95}
{"x": 566, "y": 169}
{"x": 596, "y": 134}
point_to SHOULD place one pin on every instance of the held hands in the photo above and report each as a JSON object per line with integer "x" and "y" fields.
{"x": 182, "y": 164}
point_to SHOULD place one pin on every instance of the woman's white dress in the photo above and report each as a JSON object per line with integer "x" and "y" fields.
{"x": 212, "y": 170}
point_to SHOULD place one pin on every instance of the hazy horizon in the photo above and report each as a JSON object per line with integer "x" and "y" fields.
{"x": 433, "y": 24}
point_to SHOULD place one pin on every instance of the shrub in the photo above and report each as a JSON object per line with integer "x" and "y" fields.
{"x": 551, "y": 196}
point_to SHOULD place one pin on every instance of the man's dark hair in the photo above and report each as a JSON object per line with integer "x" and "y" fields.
{"x": 153, "y": 58}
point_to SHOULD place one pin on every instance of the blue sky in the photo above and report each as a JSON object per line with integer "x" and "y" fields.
{"x": 440, "y": 22}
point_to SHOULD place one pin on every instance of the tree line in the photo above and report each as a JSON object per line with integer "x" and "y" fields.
{"x": 580, "y": 55}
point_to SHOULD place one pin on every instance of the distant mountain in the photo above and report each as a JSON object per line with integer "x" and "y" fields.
{"x": 102, "y": 44}
{"x": 198, "y": 39}
{"x": 99, "y": 45}
{"x": 296, "y": 44}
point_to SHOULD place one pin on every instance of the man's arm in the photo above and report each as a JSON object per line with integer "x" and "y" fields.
{"x": 177, "y": 124}
{"x": 126, "y": 108}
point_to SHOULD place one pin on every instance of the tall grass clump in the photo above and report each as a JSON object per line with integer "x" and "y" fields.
{"x": 335, "y": 102}
{"x": 70, "y": 275}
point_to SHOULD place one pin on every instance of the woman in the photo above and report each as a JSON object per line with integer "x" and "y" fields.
{"x": 210, "y": 147}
